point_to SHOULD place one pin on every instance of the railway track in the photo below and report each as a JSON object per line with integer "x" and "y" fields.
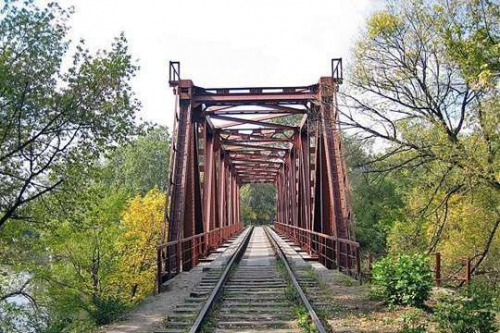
{"x": 257, "y": 291}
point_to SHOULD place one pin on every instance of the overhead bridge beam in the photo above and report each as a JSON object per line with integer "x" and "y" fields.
{"x": 277, "y": 95}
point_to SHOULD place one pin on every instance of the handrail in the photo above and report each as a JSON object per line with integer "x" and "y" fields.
{"x": 331, "y": 251}
{"x": 312, "y": 314}
{"x": 183, "y": 254}
{"x": 189, "y": 238}
{"x": 330, "y": 237}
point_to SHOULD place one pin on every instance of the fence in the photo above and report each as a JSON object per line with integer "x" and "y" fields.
{"x": 182, "y": 255}
{"x": 331, "y": 251}
{"x": 345, "y": 255}
{"x": 456, "y": 272}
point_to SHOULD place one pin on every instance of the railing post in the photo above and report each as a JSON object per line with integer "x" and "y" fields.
{"x": 158, "y": 270}
{"x": 337, "y": 253}
{"x": 438, "y": 269}
{"x": 194, "y": 253}
{"x": 178, "y": 256}
{"x": 358, "y": 263}
{"x": 370, "y": 263}
{"x": 468, "y": 271}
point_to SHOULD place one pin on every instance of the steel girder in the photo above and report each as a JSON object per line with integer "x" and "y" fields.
{"x": 228, "y": 137}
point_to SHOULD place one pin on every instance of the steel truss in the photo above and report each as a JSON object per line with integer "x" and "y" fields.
{"x": 227, "y": 137}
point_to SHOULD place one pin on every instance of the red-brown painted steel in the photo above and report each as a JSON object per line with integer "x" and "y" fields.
{"x": 225, "y": 138}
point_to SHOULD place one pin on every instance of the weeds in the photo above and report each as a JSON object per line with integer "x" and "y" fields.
{"x": 303, "y": 320}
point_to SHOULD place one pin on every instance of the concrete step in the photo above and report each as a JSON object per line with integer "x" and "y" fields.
{"x": 260, "y": 304}
{"x": 242, "y": 330}
{"x": 226, "y": 308}
{"x": 255, "y": 316}
{"x": 274, "y": 324}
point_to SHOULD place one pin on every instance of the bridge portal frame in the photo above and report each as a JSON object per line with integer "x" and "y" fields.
{"x": 224, "y": 138}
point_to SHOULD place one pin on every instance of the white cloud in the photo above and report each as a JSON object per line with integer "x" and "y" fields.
{"x": 222, "y": 42}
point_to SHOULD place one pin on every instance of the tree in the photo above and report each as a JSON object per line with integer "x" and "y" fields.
{"x": 258, "y": 203}
{"x": 50, "y": 119}
{"x": 89, "y": 256}
{"x": 142, "y": 164}
{"x": 411, "y": 90}
{"x": 470, "y": 33}
{"x": 70, "y": 256}
{"x": 376, "y": 200}
{"x": 81, "y": 277}
{"x": 142, "y": 222}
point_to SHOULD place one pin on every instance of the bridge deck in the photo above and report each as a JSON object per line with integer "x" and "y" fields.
{"x": 254, "y": 296}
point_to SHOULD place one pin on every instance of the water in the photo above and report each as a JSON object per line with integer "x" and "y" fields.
{"x": 16, "y": 312}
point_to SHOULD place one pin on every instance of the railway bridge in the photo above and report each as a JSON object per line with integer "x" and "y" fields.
{"x": 224, "y": 138}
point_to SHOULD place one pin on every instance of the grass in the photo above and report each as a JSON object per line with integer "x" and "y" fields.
{"x": 291, "y": 294}
{"x": 303, "y": 321}
{"x": 210, "y": 323}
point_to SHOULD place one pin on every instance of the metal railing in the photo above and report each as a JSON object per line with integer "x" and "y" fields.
{"x": 331, "y": 251}
{"x": 457, "y": 271}
{"x": 180, "y": 255}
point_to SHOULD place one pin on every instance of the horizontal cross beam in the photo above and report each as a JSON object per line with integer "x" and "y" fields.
{"x": 250, "y": 121}
{"x": 254, "y": 147}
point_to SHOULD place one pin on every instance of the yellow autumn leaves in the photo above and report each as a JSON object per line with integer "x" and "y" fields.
{"x": 142, "y": 220}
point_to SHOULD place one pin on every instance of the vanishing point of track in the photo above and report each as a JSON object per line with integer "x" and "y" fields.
{"x": 250, "y": 293}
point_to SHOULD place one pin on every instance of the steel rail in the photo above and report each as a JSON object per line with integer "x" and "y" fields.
{"x": 312, "y": 314}
{"x": 214, "y": 295}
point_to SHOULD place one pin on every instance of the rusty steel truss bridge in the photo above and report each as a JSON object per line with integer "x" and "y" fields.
{"x": 224, "y": 138}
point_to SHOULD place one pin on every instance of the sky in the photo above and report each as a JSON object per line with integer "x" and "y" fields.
{"x": 222, "y": 43}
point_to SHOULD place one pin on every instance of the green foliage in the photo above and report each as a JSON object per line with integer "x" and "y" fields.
{"x": 81, "y": 277}
{"x": 102, "y": 254}
{"x": 106, "y": 310}
{"x": 470, "y": 311}
{"x": 64, "y": 206}
{"x": 303, "y": 319}
{"x": 382, "y": 23}
{"x": 470, "y": 31}
{"x": 375, "y": 198}
{"x": 140, "y": 165}
{"x": 291, "y": 293}
{"x": 258, "y": 203}
{"x": 405, "y": 279}
{"x": 53, "y": 120}
{"x": 408, "y": 328}
{"x": 412, "y": 322}
{"x": 105, "y": 263}
{"x": 101, "y": 249}
{"x": 424, "y": 88}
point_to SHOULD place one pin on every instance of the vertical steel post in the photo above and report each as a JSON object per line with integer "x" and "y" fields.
{"x": 467, "y": 270}
{"x": 437, "y": 271}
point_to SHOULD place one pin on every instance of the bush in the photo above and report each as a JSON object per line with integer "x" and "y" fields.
{"x": 404, "y": 280}
{"x": 470, "y": 311}
{"x": 413, "y": 322}
{"x": 107, "y": 310}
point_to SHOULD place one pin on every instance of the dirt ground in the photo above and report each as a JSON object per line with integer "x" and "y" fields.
{"x": 353, "y": 310}
{"x": 150, "y": 313}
